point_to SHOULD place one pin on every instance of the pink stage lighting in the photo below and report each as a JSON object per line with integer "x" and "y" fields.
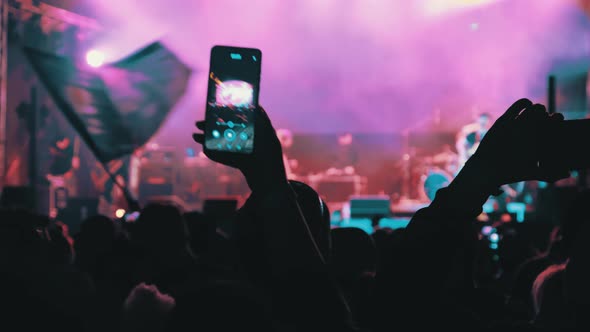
{"x": 234, "y": 93}
{"x": 95, "y": 58}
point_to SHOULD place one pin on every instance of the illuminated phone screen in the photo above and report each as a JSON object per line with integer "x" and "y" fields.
{"x": 232, "y": 97}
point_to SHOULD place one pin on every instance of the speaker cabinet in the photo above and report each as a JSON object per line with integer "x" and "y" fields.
{"x": 370, "y": 206}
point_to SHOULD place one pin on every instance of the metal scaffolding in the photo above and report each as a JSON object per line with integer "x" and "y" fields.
{"x": 3, "y": 86}
{"x": 18, "y": 8}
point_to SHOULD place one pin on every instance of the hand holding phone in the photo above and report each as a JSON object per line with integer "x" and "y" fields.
{"x": 513, "y": 149}
{"x": 232, "y": 97}
{"x": 264, "y": 167}
{"x": 259, "y": 155}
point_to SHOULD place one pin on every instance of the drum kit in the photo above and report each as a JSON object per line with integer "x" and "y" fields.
{"x": 428, "y": 174}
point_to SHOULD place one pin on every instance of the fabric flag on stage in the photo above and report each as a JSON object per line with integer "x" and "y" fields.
{"x": 118, "y": 107}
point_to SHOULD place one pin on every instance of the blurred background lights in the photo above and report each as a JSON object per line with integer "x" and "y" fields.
{"x": 494, "y": 238}
{"x": 95, "y": 58}
{"x": 120, "y": 213}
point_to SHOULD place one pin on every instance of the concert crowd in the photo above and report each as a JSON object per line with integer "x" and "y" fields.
{"x": 284, "y": 268}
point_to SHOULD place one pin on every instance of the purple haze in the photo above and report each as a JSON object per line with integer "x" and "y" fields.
{"x": 363, "y": 65}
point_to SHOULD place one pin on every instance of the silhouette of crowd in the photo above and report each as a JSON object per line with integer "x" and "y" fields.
{"x": 283, "y": 268}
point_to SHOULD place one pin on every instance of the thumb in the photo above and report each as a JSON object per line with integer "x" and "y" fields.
{"x": 199, "y": 138}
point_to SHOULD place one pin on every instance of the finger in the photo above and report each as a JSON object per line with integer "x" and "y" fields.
{"x": 261, "y": 114}
{"x": 199, "y": 138}
{"x": 263, "y": 121}
{"x": 200, "y": 125}
{"x": 534, "y": 112}
{"x": 513, "y": 111}
{"x": 556, "y": 117}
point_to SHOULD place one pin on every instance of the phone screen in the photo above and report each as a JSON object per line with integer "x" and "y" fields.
{"x": 232, "y": 97}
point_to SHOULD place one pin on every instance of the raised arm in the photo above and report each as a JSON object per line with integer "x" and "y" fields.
{"x": 299, "y": 280}
{"x": 439, "y": 237}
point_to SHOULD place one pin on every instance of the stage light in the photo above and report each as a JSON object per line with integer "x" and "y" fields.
{"x": 438, "y": 7}
{"x": 494, "y": 237}
{"x": 120, "y": 213}
{"x": 95, "y": 58}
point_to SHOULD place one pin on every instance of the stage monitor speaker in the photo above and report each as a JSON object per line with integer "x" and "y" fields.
{"x": 21, "y": 197}
{"x": 370, "y": 206}
{"x": 157, "y": 174}
{"x": 168, "y": 200}
{"x": 147, "y": 191}
{"x": 161, "y": 155}
{"x": 16, "y": 197}
{"x": 338, "y": 188}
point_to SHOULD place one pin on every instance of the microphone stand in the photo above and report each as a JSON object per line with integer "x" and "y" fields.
{"x": 408, "y": 155}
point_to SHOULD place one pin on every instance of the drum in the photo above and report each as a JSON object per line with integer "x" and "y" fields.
{"x": 432, "y": 181}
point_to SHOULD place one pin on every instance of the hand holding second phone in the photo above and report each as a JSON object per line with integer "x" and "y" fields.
{"x": 263, "y": 168}
{"x": 512, "y": 149}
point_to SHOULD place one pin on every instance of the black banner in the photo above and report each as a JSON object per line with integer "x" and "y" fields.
{"x": 118, "y": 107}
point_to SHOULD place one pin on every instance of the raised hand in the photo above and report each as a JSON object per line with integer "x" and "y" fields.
{"x": 511, "y": 151}
{"x": 263, "y": 168}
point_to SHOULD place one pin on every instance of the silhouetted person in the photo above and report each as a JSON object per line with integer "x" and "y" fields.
{"x": 165, "y": 257}
{"x": 354, "y": 262}
{"x": 296, "y": 278}
{"x": 438, "y": 242}
{"x": 146, "y": 309}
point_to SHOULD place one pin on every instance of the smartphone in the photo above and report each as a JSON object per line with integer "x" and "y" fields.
{"x": 569, "y": 146}
{"x": 232, "y": 97}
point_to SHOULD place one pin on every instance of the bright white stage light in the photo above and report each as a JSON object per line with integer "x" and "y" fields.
{"x": 95, "y": 58}
{"x": 494, "y": 238}
{"x": 120, "y": 213}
